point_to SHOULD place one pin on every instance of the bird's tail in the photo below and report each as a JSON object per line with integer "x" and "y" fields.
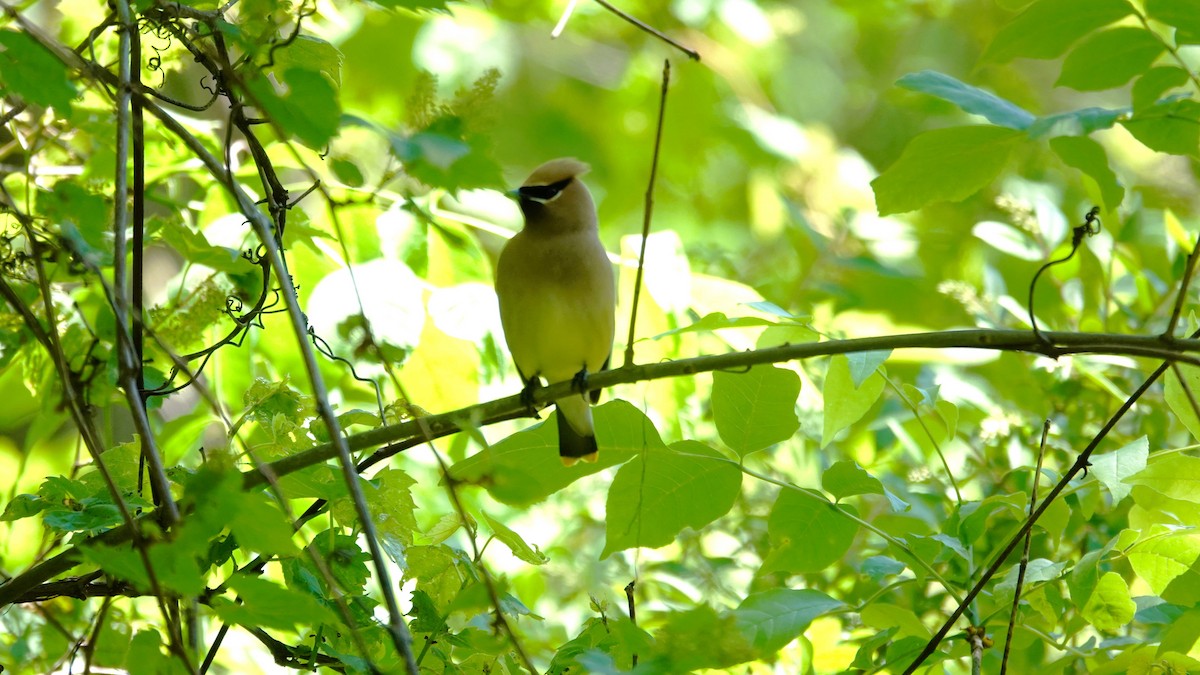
{"x": 576, "y": 435}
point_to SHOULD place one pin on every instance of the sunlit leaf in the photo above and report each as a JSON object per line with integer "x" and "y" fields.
{"x": 1048, "y": 27}
{"x": 1085, "y": 154}
{"x": 1112, "y": 468}
{"x": 755, "y": 409}
{"x": 846, "y": 479}
{"x": 1110, "y": 58}
{"x": 771, "y": 619}
{"x": 808, "y": 534}
{"x": 846, "y": 403}
{"x": 944, "y": 165}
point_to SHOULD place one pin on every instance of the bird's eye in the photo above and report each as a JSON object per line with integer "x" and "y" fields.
{"x": 543, "y": 193}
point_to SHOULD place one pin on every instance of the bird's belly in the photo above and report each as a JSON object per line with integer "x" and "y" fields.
{"x": 553, "y": 337}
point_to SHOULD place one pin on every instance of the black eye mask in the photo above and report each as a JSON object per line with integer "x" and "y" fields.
{"x": 544, "y": 193}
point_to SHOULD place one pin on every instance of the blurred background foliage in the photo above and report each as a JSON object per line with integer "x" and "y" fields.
{"x": 414, "y": 116}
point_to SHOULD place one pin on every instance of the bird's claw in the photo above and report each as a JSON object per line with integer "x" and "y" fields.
{"x": 579, "y": 383}
{"x": 531, "y": 386}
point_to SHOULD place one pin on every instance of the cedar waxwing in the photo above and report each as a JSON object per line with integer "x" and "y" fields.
{"x": 558, "y": 297}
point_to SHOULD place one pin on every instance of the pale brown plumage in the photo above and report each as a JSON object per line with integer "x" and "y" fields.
{"x": 558, "y": 296}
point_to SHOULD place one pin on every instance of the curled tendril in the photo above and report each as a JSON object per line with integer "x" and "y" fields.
{"x": 1089, "y": 228}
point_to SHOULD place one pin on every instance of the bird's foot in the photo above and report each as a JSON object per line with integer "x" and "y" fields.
{"x": 579, "y": 383}
{"x": 531, "y": 386}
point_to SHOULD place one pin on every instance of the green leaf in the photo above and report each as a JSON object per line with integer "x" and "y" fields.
{"x": 1109, "y": 607}
{"x": 1182, "y": 14}
{"x": 998, "y": 111}
{"x": 657, "y": 494}
{"x": 33, "y": 73}
{"x": 699, "y": 638}
{"x": 1176, "y": 396}
{"x": 716, "y": 321}
{"x": 1172, "y": 127}
{"x": 525, "y": 468}
{"x": 807, "y": 533}
{"x": 1112, "y": 468}
{"x": 1150, "y": 87}
{"x": 1174, "y": 476}
{"x": 1085, "y": 154}
{"x": 309, "y": 110}
{"x": 864, "y": 364}
{"x": 261, "y": 527}
{"x": 846, "y": 479}
{"x": 943, "y": 165}
{"x": 390, "y": 500}
{"x": 1076, "y": 122}
{"x": 311, "y": 53}
{"x": 194, "y": 247}
{"x": 755, "y": 409}
{"x": 1110, "y": 59}
{"x": 146, "y": 655}
{"x": 773, "y": 618}
{"x": 515, "y": 542}
{"x": 845, "y": 403}
{"x": 23, "y": 506}
{"x": 269, "y": 605}
{"x": 1048, "y": 27}
{"x": 1171, "y": 567}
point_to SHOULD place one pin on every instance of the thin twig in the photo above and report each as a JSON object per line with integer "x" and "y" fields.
{"x": 1189, "y": 268}
{"x": 692, "y": 53}
{"x": 629, "y": 587}
{"x": 1077, "y": 236}
{"x": 1016, "y": 603}
{"x": 648, "y": 211}
{"x": 1081, "y": 462}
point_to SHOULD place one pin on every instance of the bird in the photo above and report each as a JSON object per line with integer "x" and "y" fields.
{"x": 557, "y": 297}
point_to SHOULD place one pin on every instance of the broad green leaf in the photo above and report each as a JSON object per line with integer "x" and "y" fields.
{"x": 1175, "y": 476}
{"x": 879, "y": 567}
{"x": 1150, "y": 87}
{"x": 23, "y": 506}
{"x": 390, "y": 502}
{"x": 1038, "y": 569}
{"x": 192, "y": 245}
{"x": 807, "y": 533}
{"x": 33, "y": 73}
{"x": 943, "y": 165}
{"x": 309, "y": 109}
{"x": 1171, "y": 567}
{"x": 1085, "y": 154}
{"x": 261, "y": 527}
{"x": 1172, "y": 127}
{"x": 864, "y": 364}
{"x": 845, "y": 403}
{"x": 771, "y": 619}
{"x": 146, "y": 655}
{"x": 700, "y": 638}
{"x": 657, "y": 494}
{"x": 1109, "y": 608}
{"x": 716, "y": 321}
{"x": 1176, "y": 396}
{"x": 755, "y": 409}
{"x": 1048, "y": 27}
{"x": 846, "y": 479}
{"x": 884, "y": 616}
{"x": 515, "y": 542}
{"x": 1076, "y": 122}
{"x": 269, "y": 605}
{"x": 525, "y": 468}
{"x": 1112, "y": 468}
{"x": 1182, "y": 14}
{"x": 1110, "y": 58}
{"x": 998, "y": 111}
{"x": 309, "y": 52}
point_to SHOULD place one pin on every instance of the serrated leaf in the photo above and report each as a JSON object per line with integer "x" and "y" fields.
{"x": 1112, "y": 468}
{"x": 269, "y": 605}
{"x": 1176, "y": 395}
{"x": 943, "y": 165}
{"x": 807, "y": 533}
{"x": 846, "y": 479}
{"x": 1085, "y": 154}
{"x": 525, "y": 468}
{"x": 755, "y": 409}
{"x": 1048, "y": 27}
{"x": 261, "y": 527}
{"x": 23, "y": 506}
{"x": 33, "y": 73}
{"x": 845, "y": 403}
{"x": 309, "y": 52}
{"x": 1155, "y": 82}
{"x": 658, "y": 494}
{"x": 515, "y": 542}
{"x": 1110, "y": 58}
{"x": 771, "y": 619}
{"x": 996, "y": 110}
{"x": 1171, "y": 127}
